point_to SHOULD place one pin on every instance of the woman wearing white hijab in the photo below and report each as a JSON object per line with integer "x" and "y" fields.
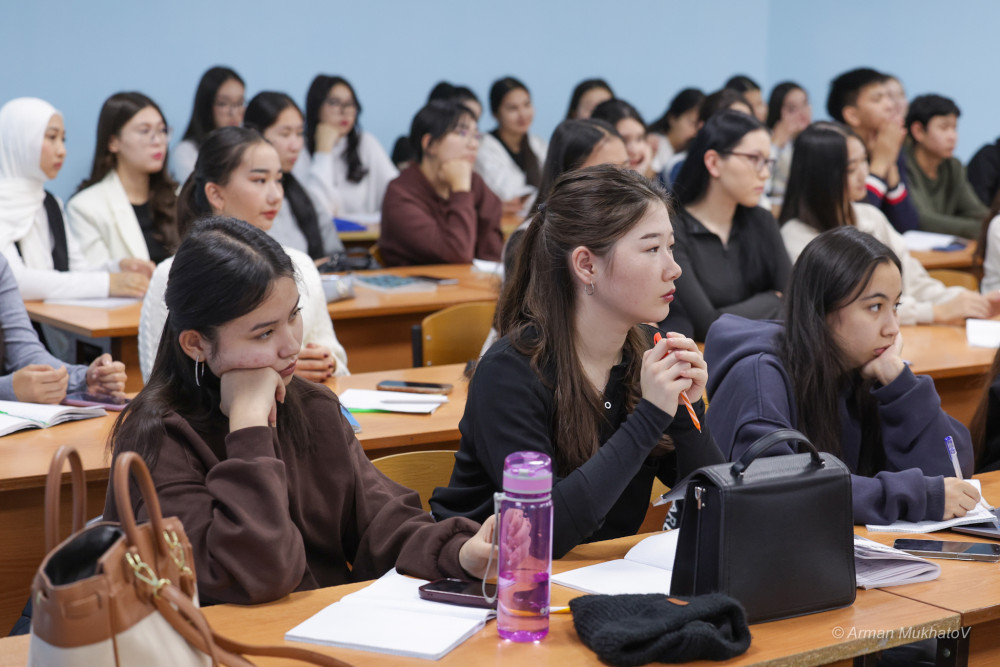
{"x": 45, "y": 260}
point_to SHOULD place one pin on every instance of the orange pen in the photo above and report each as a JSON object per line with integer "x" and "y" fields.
{"x": 684, "y": 399}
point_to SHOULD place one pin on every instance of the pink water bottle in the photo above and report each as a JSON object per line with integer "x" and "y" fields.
{"x": 525, "y": 554}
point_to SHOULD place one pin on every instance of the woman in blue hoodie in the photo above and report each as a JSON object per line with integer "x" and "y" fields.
{"x": 833, "y": 370}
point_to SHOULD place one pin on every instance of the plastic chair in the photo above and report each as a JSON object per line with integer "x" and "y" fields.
{"x": 953, "y": 278}
{"x": 453, "y": 335}
{"x": 420, "y": 471}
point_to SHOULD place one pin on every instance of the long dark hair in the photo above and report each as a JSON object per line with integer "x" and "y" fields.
{"x": 241, "y": 264}
{"x": 220, "y": 155}
{"x": 318, "y": 90}
{"x": 777, "y": 100}
{"x": 262, "y": 113}
{"x": 684, "y": 101}
{"x": 830, "y": 274}
{"x": 202, "y": 117}
{"x": 436, "y": 119}
{"x": 582, "y": 89}
{"x": 498, "y": 91}
{"x": 982, "y": 418}
{"x": 817, "y": 183}
{"x": 118, "y": 110}
{"x": 615, "y": 110}
{"x": 720, "y": 133}
{"x": 572, "y": 143}
{"x": 592, "y": 207}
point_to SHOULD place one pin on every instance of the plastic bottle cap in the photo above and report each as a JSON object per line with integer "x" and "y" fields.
{"x": 527, "y": 472}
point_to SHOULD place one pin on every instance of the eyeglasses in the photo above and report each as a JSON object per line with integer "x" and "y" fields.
{"x": 468, "y": 133}
{"x": 757, "y": 161}
{"x": 154, "y": 134}
{"x": 343, "y": 106}
{"x": 229, "y": 106}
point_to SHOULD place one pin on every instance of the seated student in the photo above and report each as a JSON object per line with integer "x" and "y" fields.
{"x": 43, "y": 256}
{"x": 586, "y": 96}
{"x": 725, "y": 242}
{"x": 828, "y": 178}
{"x": 985, "y": 425}
{"x": 675, "y": 129}
{"x": 342, "y": 156}
{"x": 603, "y": 239}
{"x": 439, "y": 211}
{"x": 945, "y": 201}
{"x": 983, "y": 172}
{"x": 303, "y": 223}
{"x": 273, "y": 488}
{"x": 126, "y": 208}
{"x": 510, "y": 157}
{"x": 219, "y": 101}
{"x": 627, "y": 120}
{"x": 402, "y": 151}
{"x": 238, "y": 174}
{"x": 751, "y": 92}
{"x": 713, "y": 103}
{"x": 833, "y": 370}
{"x": 788, "y": 113}
{"x": 859, "y": 99}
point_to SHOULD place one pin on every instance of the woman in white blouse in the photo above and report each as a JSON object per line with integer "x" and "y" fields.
{"x": 219, "y": 102}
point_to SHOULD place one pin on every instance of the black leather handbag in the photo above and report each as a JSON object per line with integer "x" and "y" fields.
{"x": 775, "y": 532}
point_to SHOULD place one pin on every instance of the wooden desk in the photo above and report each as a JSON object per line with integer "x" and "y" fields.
{"x": 964, "y": 260}
{"x": 374, "y": 327}
{"x": 121, "y": 325}
{"x": 368, "y": 236}
{"x": 26, "y": 456}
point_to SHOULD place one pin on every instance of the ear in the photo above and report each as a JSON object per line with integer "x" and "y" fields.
{"x": 194, "y": 344}
{"x": 114, "y": 144}
{"x": 583, "y": 265}
{"x": 851, "y": 115}
{"x": 216, "y": 197}
{"x": 425, "y": 142}
{"x": 918, "y": 131}
{"x": 712, "y": 158}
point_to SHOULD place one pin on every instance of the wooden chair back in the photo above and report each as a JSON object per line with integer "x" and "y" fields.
{"x": 420, "y": 471}
{"x": 953, "y": 278}
{"x": 454, "y": 335}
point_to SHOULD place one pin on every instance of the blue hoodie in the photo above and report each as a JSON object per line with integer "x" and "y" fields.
{"x": 751, "y": 395}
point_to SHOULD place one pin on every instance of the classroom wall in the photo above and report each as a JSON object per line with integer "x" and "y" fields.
{"x": 393, "y": 51}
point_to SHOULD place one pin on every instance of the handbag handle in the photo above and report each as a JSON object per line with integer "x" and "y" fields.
{"x": 771, "y": 439}
{"x": 130, "y": 462}
{"x": 53, "y": 486}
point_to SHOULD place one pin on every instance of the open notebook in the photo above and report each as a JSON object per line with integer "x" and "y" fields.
{"x": 15, "y": 416}
{"x": 646, "y": 568}
{"x": 979, "y": 514}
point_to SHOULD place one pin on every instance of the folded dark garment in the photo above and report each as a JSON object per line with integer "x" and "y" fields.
{"x": 631, "y": 630}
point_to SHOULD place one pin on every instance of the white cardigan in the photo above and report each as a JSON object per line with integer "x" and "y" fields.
{"x": 920, "y": 292}
{"x": 316, "y": 324}
{"x": 991, "y": 262}
{"x": 327, "y": 180}
{"x": 498, "y": 169}
{"x": 103, "y": 221}
{"x": 182, "y": 160}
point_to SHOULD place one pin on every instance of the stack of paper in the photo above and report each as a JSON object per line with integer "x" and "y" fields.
{"x": 877, "y": 565}
{"x": 370, "y": 400}
{"x": 388, "y": 616}
{"x": 108, "y": 303}
{"x": 917, "y": 240}
{"x": 646, "y": 568}
{"x": 982, "y": 333}
{"x": 979, "y": 514}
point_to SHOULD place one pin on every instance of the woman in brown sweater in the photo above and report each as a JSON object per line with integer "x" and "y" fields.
{"x": 273, "y": 489}
{"x": 439, "y": 211}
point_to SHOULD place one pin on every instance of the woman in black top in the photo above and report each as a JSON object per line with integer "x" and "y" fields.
{"x": 573, "y": 375}
{"x": 729, "y": 247}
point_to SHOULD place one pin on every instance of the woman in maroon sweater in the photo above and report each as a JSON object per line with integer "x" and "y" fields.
{"x": 439, "y": 211}
{"x": 273, "y": 489}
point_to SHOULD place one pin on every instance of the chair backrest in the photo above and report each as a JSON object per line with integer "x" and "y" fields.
{"x": 953, "y": 278}
{"x": 420, "y": 471}
{"x": 455, "y": 335}
{"x": 376, "y": 253}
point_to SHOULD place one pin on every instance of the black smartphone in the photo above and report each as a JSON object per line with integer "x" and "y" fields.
{"x": 85, "y": 400}
{"x": 460, "y": 592}
{"x": 414, "y": 387}
{"x": 439, "y": 281}
{"x": 983, "y": 551}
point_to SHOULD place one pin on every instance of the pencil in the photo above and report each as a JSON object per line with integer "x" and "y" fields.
{"x": 684, "y": 399}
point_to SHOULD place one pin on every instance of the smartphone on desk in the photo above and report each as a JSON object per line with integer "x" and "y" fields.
{"x": 439, "y": 281}
{"x": 85, "y": 400}
{"x": 414, "y": 387}
{"x": 982, "y": 551}
{"x": 460, "y": 592}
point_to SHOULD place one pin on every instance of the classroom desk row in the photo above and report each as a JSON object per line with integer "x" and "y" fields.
{"x": 963, "y": 606}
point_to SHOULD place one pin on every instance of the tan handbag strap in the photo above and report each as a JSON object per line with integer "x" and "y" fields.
{"x": 286, "y": 652}
{"x": 131, "y": 462}
{"x": 53, "y": 486}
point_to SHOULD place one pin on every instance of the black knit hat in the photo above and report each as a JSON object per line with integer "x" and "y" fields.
{"x": 630, "y": 630}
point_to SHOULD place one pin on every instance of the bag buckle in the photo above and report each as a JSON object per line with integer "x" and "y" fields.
{"x": 697, "y": 497}
{"x": 176, "y": 551}
{"x": 144, "y": 573}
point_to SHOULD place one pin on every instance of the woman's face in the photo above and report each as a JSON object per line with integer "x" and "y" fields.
{"x": 634, "y": 135}
{"x": 757, "y": 105}
{"x": 610, "y": 151}
{"x": 894, "y": 89}
{"x": 683, "y": 128}
{"x": 857, "y": 169}
{"x": 53, "y": 147}
{"x": 229, "y": 104}
{"x": 589, "y": 100}
{"x": 269, "y": 336}
{"x": 339, "y": 109}
{"x": 866, "y": 327}
{"x": 796, "y": 113}
{"x": 462, "y": 143}
{"x": 743, "y": 171}
{"x": 253, "y": 192}
{"x": 285, "y": 134}
{"x": 141, "y": 144}
{"x": 516, "y": 112}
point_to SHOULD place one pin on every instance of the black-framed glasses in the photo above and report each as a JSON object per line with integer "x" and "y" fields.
{"x": 757, "y": 161}
{"x": 343, "y": 106}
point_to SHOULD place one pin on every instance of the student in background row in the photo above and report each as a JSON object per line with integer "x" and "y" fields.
{"x": 439, "y": 211}
{"x": 304, "y": 222}
{"x": 675, "y": 129}
{"x": 586, "y": 96}
{"x": 238, "y": 174}
{"x": 988, "y": 249}
{"x": 751, "y": 92}
{"x": 632, "y": 128}
{"x": 447, "y": 92}
{"x": 510, "y": 158}
{"x": 43, "y": 256}
{"x": 788, "y": 113}
{"x": 945, "y": 201}
{"x": 219, "y": 101}
{"x": 983, "y": 172}
{"x": 828, "y": 177}
{"x": 727, "y": 245}
{"x": 726, "y": 98}
{"x": 859, "y": 99}
{"x": 577, "y": 375}
{"x": 127, "y": 207}
{"x": 353, "y": 162}
{"x": 834, "y": 370}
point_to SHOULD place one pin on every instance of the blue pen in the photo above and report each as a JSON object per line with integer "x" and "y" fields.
{"x": 953, "y": 453}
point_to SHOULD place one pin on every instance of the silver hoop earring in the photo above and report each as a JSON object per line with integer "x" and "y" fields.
{"x": 199, "y": 371}
{"x": 589, "y": 289}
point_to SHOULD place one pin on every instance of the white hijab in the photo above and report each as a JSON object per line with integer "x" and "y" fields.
{"x": 22, "y": 181}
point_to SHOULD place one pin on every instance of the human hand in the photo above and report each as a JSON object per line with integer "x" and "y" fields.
{"x": 993, "y": 299}
{"x": 457, "y": 173}
{"x": 514, "y": 206}
{"x": 687, "y": 350}
{"x": 959, "y": 497}
{"x": 250, "y": 397}
{"x": 887, "y": 366}
{"x": 966, "y": 304}
{"x": 39, "y": 383}
{"x": 128, "y": 284}
{"x": 475, "y": 554}
{"x": 662, "y": 377}
{"x": 327, "y": 136}
{"x": 135, "y": 265}
{"x": 316, "y": 363}
{"x": 106, "y": 377}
